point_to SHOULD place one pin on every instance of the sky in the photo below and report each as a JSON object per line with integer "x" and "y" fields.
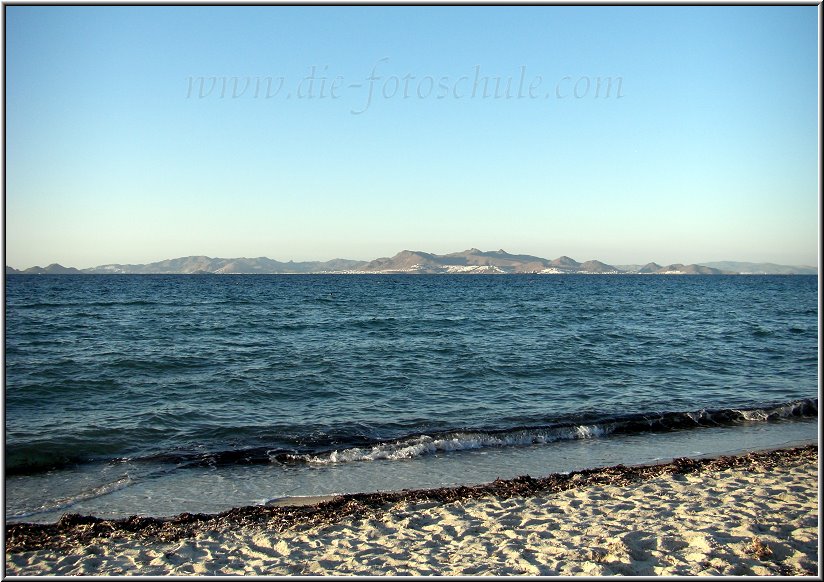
{"x": 625, "y": 134}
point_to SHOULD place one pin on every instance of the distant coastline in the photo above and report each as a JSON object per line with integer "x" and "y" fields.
{"x": 472, "y": 261}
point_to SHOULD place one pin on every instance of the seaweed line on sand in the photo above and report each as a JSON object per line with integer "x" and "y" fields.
{"x": 74, "y": 529}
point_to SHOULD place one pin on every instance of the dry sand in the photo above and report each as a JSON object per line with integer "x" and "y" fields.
{"x": 737, "y": 521}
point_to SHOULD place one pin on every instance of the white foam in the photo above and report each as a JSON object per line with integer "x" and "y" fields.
{"x": 418, "y": 446}
{"x": 754, "y": 414}
{"x": 461, "y": 441}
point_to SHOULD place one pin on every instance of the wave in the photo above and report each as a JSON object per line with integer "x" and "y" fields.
{"x": 419, "y": 445}
{"x": 358, "y": 447}
{"x": 459, "y": 441}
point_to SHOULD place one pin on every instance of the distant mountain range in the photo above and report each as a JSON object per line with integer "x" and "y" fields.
{"x": 762, "y": 268}
{"x": 418, "y": 262}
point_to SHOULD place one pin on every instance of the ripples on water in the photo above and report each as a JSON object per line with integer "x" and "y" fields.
{"x": 201, "y": 367}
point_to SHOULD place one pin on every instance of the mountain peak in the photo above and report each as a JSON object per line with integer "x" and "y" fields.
{"x": 53, "y": 269}
{"x": 565, "y": 261}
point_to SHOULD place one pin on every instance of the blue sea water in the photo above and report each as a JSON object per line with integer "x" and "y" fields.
{"x": 162, "y": 394}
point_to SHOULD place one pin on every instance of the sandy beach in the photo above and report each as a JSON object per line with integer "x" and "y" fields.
{"x": 755, "y": 514}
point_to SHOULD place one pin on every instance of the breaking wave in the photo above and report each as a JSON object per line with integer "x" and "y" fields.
{"x": 359, "y": 448}
{"x": 423, "y": 444}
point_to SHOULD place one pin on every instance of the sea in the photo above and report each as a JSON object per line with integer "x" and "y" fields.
{"x": 162, "y": 394}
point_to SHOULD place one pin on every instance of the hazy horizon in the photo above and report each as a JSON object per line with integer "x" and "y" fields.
{"x": 678, "y": 134}
{"x": 368, "y": 259}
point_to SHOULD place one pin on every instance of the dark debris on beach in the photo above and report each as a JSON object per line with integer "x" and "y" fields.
{"x": 75, "y": 529}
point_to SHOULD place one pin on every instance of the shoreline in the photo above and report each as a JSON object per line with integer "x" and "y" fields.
{"x": 750, "y": 514}
{"x": 302, "y": 500}
{"x": 285, "y": 514}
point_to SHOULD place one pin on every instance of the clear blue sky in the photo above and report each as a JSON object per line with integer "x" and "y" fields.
{"x": 117, "y": 153}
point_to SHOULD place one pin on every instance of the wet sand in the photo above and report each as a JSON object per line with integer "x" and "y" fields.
{"x": 751, "y": 514}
